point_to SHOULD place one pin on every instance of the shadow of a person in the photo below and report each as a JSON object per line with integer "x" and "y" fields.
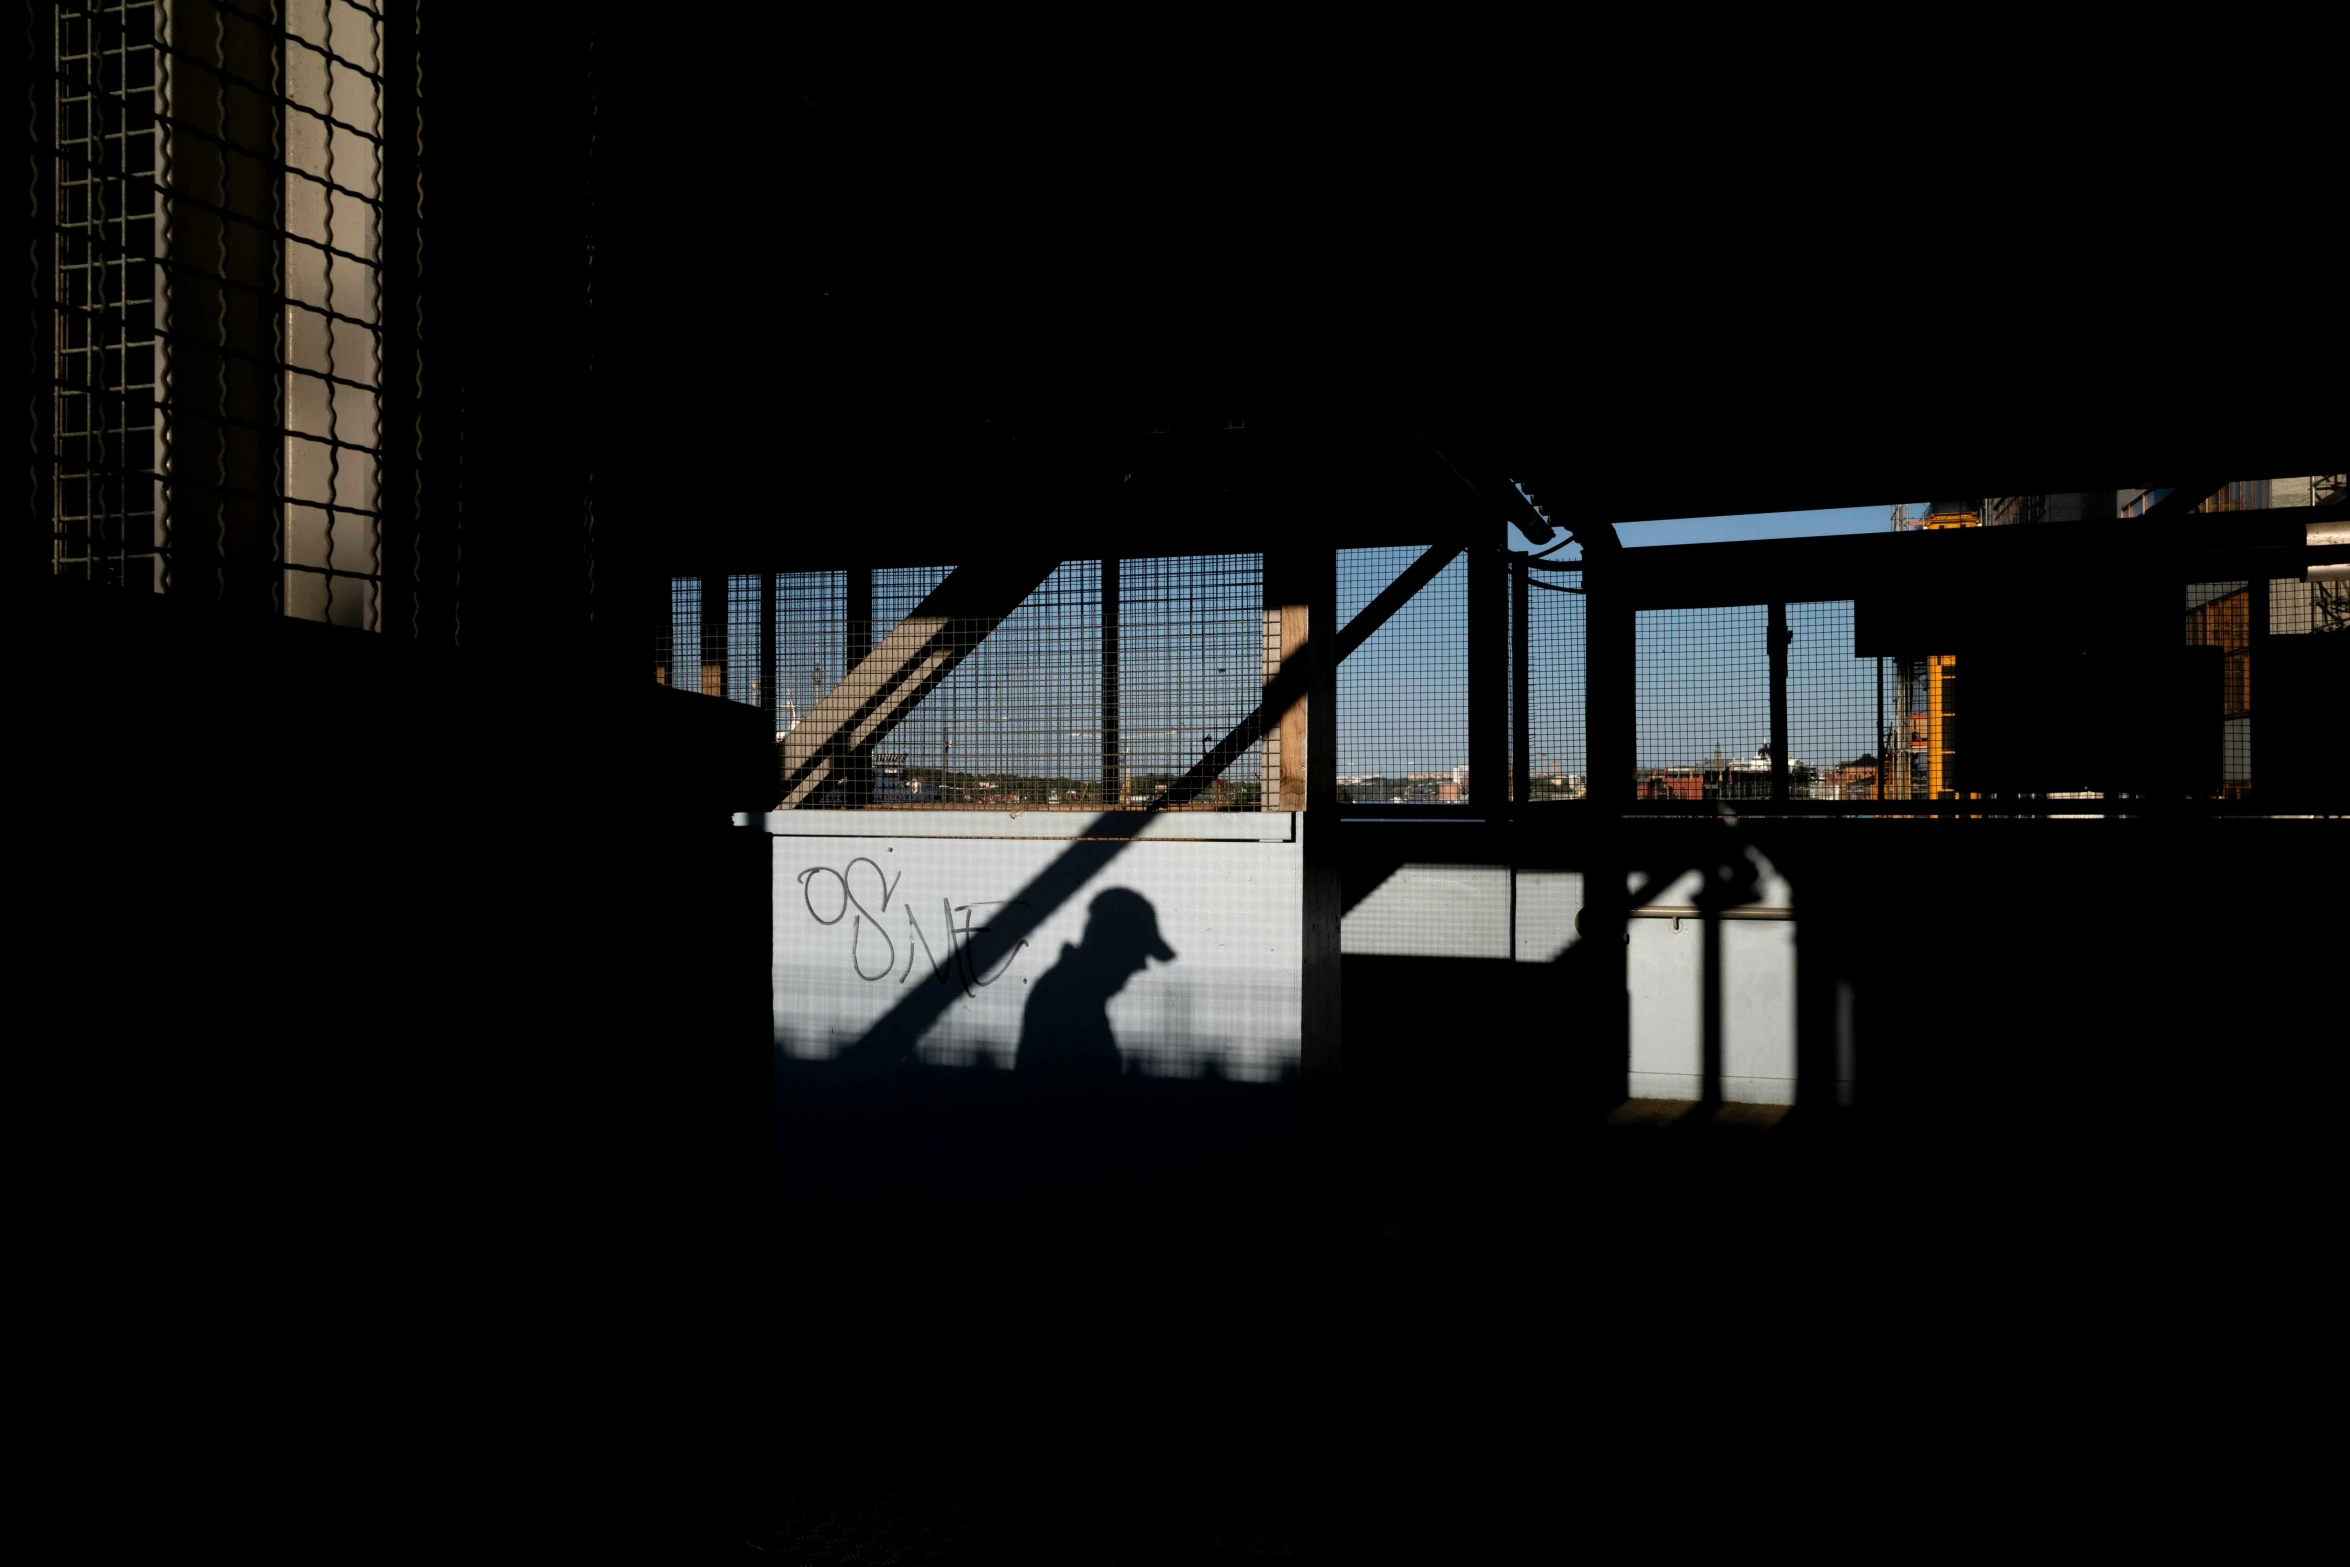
{"x": 1065, "y": 1036}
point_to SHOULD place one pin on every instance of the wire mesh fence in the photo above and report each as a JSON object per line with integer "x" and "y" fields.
{"x": 2305, "y": 608}
{"x": 1835, "y": 707}
{"x": 1143, "y": 684}
{"x": 1555, "y": 687}
{"x": 1102, "y": 684}
{"x": 1017, "y": 723}
{"x": 1093, "y": 684}
{"x": 103, "y": 133}
{"x": 217, "y": 191}
{"x": 811, "y": 642}
{"x": 2219, "y": 615}
{"x": 894, "y": 593}
{"x": 1702, "y": 703}
{"x": 678, "y": 655}
{"x": 1193, "y": 660}
{"x": 1403, "y": 696}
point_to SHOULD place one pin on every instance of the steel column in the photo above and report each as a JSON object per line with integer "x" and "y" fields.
{"x": 1112, "y": 750}
{"x": 1489, "y": 675}
{"x": 1521, "y": 683}
{"x": 1780, "y": 636}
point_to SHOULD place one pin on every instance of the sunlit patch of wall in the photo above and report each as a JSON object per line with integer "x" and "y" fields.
{"x": 862, "y": 922}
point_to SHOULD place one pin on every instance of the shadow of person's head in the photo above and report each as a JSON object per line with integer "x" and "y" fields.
{"x": 1065, "y": 1033}
{"x": 1121, "y": 937}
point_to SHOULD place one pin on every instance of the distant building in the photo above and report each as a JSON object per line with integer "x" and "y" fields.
{"x": 1672, "y": 783}
{"x": 2006, "y": 510}
{"x": 2105, "y": 505}
{"x": 1750, "y": 779}
{"x": 1855, "y": 780}
{"x": 2222, "y": 615}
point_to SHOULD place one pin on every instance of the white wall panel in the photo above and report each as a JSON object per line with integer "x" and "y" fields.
{"x": 1548, "y": 902}
{"x": 1666, "y": 960}
{"x": 863, "y": 920}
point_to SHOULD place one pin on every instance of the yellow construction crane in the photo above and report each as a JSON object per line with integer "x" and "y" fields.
{"x": 1932, "y": 730}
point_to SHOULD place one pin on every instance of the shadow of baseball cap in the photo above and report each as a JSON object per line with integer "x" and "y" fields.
{"x": 1122, "y": 918}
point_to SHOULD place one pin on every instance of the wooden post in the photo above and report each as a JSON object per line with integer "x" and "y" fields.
{"x": 1287, "y": 752}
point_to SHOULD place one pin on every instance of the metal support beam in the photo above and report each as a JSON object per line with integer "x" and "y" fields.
{"x": 2256, "y": 646}
{"x": 1711, "y": 1004}
{"x": 1320, "y": 1034}
{"x": 1884, "y": 738}
{"x": 1521, "y": 686}
{"x": 710, "y": 678}
{"x": 1608, "y": 709}
{"x": 1394, "y": 596}
{"x": 853, "y": 786}
{"x": 1780, "y": 636}
{"x": 1489, "y": 674}
{"x": 1113, "y": 750}
{"x": 2182, "y": 499}
{"x": 400, "y": 309}
{"x": 770, "y": 653}
{"x": 1297, "y": 665}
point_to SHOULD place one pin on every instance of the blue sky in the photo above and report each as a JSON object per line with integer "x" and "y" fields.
{"x": 1766, "y": 525}
{"x": 1703, "y": 675}
{"x": 1702, "y": 681}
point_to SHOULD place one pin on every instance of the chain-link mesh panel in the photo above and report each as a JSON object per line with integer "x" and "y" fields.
{"x": 811, "y": 640}
{"x": 1702, "y": 703}
{"x": 1555, "y": 686}
{"x": 745, "y": 651}
{"x": 896, "y": 590}
{"x": 681, "y": 649}
{"x": 1403, "y": 696}
{"x": 1016, "y": 724}
{"x": 215, "y": 182}
{"x": 103, "y": 507}
{"x": 1192, "y": 665}
{"x": 333, "y": 285}
{"x": 890, "y": 690}
{"x": 1834, "y": 732}
{"x": 2219, "y": 615}
{"x": 1069, "y": 689}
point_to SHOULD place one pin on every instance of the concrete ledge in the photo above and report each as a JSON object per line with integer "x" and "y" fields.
{"x": 1120, "y": 826}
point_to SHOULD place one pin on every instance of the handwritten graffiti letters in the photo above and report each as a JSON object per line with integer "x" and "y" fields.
{"x": 976, "y": 956}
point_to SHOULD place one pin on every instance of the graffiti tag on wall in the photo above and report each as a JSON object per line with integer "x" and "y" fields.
{"x": 831, "y": 896}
